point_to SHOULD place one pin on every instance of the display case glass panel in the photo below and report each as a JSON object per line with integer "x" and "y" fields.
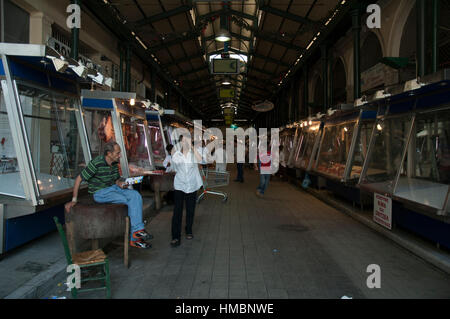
{"x": 100, "y": 129}
{"x": 425, "y": 177}
{"x": 53, "y": 137}
{"x": 136, "y": 145}
{"x": 10, "y": 181}
{"x": 361, "y": 149}
{"x": 390, "y": 137}
{"x": 306, "y": 147}
{"x": 335, "y": 149}
{"x": 159, "y": 153}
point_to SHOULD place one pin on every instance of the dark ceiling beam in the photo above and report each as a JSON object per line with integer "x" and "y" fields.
{"x": 167, "y": 44}
{"x": 107, "y": 15}
{"x": 226, "y": 12}
{"x": 204, "y": 67}
{"x": 286, "y": 15}
{"x": 181, "y": 60}
{"x": 262, "y": 71}
{"x": 161, "y": 16}
{"x": 203, "y": 97}
{"x": 263, "y": 36}
{"x": 260, "y": 56}
{"x": 324, "y": 33}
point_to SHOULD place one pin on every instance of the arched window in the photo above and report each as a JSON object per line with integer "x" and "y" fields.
{"x": 408, "y": 46}
{"x": 371, "y": 52}
{"x": 318, "y": 96}
{"x": 339, "y": 83}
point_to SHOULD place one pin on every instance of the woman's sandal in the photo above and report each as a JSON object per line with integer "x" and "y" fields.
{"x": 175, "y": 242}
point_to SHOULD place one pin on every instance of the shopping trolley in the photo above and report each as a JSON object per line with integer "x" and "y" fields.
{"x": 212, "y": 179}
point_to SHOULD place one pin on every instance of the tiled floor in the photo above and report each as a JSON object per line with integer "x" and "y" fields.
{"x": 285, "y": 245}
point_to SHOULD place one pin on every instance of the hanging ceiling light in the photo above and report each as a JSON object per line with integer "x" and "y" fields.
{"x": 226, "y": 81}
{"x": 223, "y": 35}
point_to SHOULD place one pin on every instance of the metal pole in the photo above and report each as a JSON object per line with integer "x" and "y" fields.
{"x": 420, "y": 4}
{"x": 121, "y": 86}
{"x": 434, "y": 45}
{"x": 128, "y": 69}
{"x": 331, "y": 80}
{"x": 152, "y": 83}
{"x": 75, "y": 37}
{"x": 356, "y": 26}
{"x": 305, "y": 90}
{"x": 324, "y": 50}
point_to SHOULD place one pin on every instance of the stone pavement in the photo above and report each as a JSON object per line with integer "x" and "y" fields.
{"x": 288, "y": 244}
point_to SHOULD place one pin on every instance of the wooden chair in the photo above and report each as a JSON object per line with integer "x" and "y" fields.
{"x": 86, "y": 259}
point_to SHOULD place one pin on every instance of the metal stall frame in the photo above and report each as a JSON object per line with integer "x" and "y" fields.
{"x": 116, "y": 121}
{"x": 33, "y": 201}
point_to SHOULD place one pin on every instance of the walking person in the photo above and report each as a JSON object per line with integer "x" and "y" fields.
{"x": 240, "y": 168}
{"x": 186, "y": 183}
{"x": 265, "y": 170}
{"x": 106, "y": 186}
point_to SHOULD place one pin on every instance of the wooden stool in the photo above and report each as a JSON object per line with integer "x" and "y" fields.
{"x": 93, "y": 221}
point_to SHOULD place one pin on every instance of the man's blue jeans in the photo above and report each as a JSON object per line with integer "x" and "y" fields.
{"x": 263, "y": 182}
{"x": 116, "y": 195}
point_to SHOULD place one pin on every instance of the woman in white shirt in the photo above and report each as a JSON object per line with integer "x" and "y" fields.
{"x": 186, "y": 183}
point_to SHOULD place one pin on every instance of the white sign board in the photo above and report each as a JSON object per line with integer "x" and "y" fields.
{"x": 382, "y": 210}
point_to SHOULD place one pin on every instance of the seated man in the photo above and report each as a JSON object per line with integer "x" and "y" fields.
{"x": 102, "y": 176}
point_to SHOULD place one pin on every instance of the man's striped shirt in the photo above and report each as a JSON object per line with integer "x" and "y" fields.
{"x": 98, "y": 174}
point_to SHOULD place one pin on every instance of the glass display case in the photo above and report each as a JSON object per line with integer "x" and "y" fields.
{"x": 43, "y": 142}
{"x": 307, "y": 145}
{"x": 409, "y": 153}
{"x": 119, "y": 117}
{"x": 291, "y": 154}
{"x": 158, "y": 137}
{"x": 287, "y": 137}
{"x": 42, "y": 148}
{"x": 344, "y": 144}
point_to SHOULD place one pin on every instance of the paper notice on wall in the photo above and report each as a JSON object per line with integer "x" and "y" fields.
{"x": 7, "y": 146}
{"x": 382, "y": 210}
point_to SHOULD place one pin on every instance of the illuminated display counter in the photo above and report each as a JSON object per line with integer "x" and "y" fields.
{"x": 119, "y": 117}
{"x": 342, "y": 150}
{"x": 43, "y": 147}
{"x": 409, "y": 159}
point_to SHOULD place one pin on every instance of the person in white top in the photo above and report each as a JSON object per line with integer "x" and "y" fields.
{"x": 187, "y": 182}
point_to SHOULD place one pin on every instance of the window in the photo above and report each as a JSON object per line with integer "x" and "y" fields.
{"x": 53, "y": 137}
{"x": 14, "y": 23}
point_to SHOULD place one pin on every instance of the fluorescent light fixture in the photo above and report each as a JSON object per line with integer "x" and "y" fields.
{"x": 108, "y": 82}
{"x": 60, "y": 65}
{"x": 146, "y": 104}
{"x": 223, "y": 36}
{"x": 79, "y": 70}
{"x": 226, "y": 81}
{"x": 98, "y": 78}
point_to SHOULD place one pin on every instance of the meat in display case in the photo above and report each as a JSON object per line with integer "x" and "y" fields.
{"x": 307, "y": 144}
{"x": 119, "y": 117}
{"x": 409, "y": 159}
{"x": 345, "y": 140}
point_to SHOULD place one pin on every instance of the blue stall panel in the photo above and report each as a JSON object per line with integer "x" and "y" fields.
{"x": 21, "y": 230}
